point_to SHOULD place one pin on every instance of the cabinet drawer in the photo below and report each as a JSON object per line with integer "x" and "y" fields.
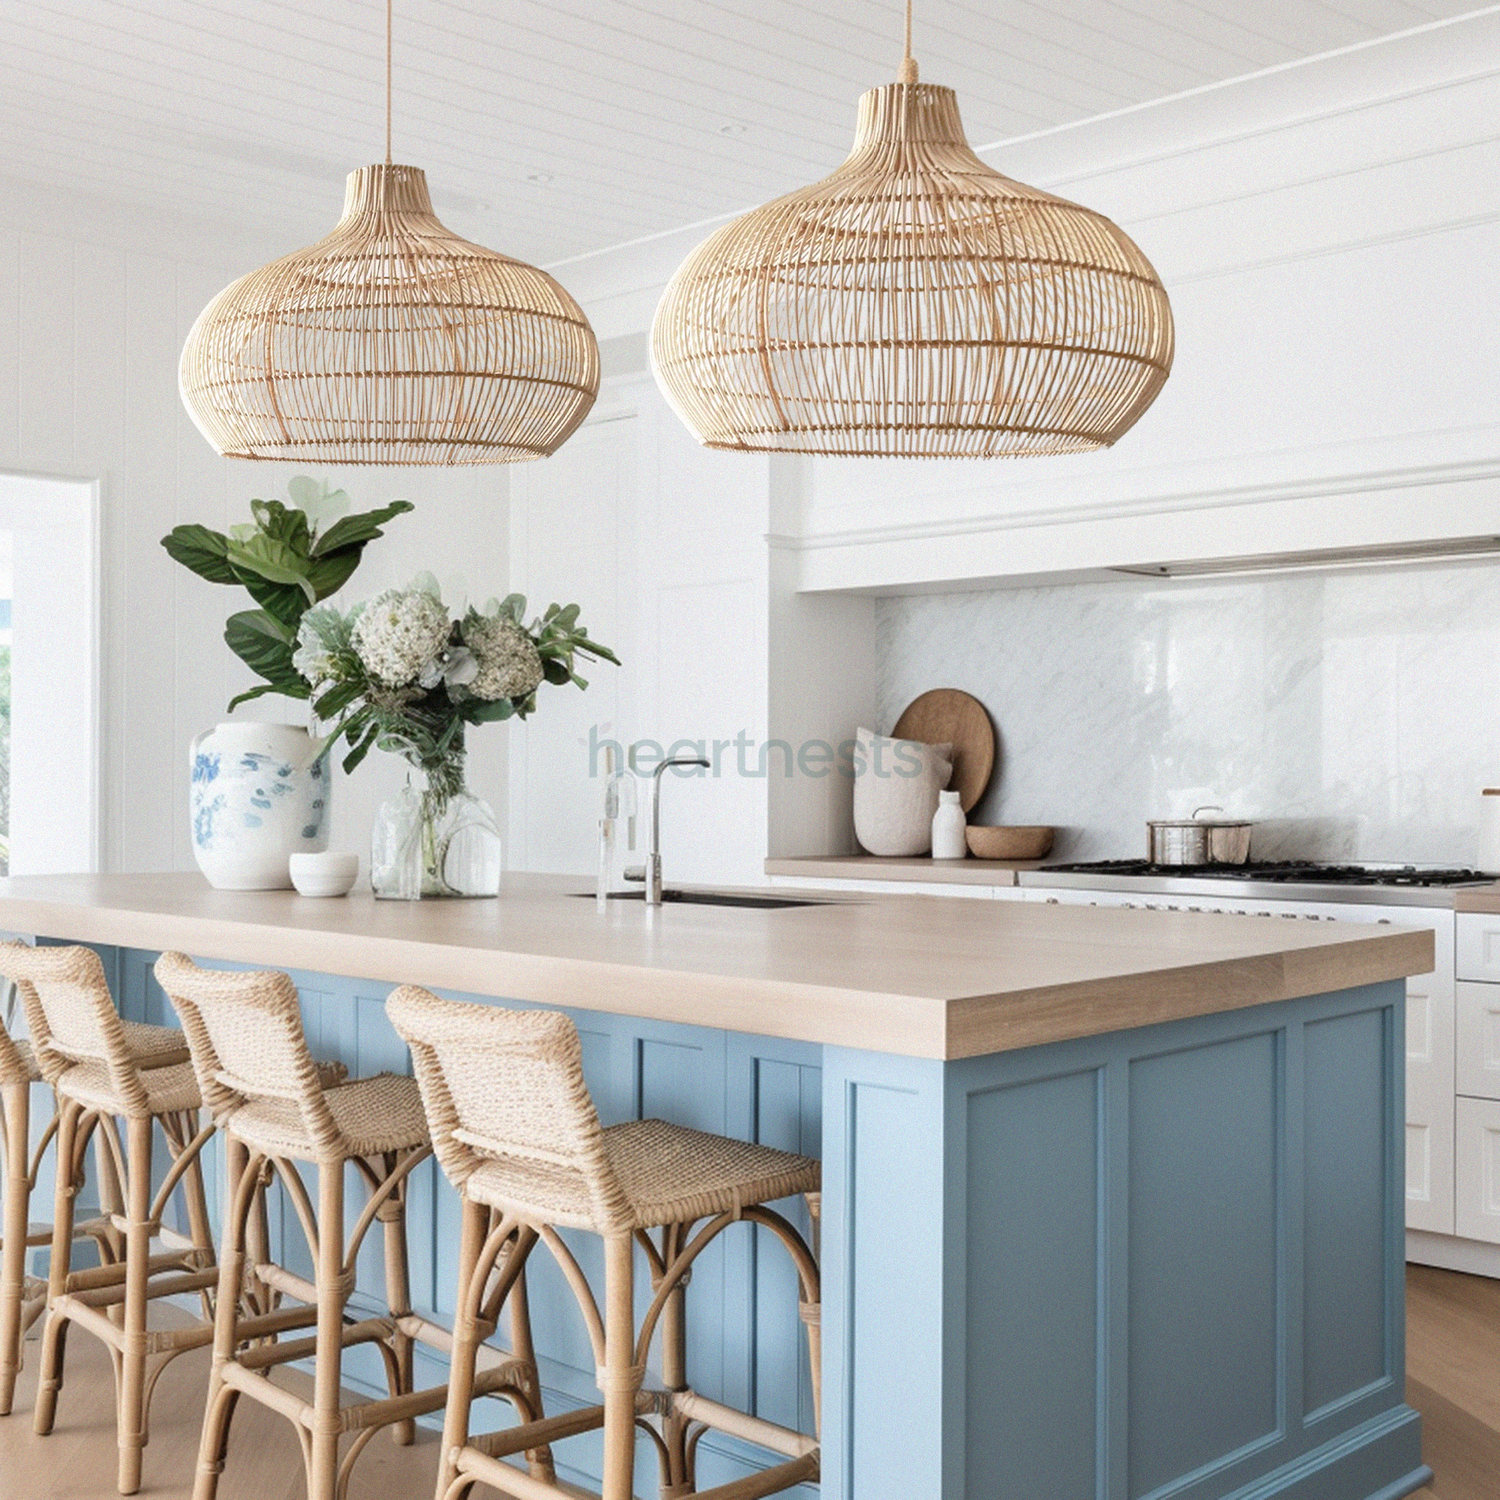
{"x": 1477, "y": 1170}
{"x": 1478, "y": 946}
{"x": 1478, "y": 1035}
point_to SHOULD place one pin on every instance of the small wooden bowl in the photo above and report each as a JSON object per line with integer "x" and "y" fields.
{"x": 1009, "y": 843}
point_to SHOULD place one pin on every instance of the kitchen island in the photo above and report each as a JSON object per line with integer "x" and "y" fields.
{"x": 1112, "y": 1199}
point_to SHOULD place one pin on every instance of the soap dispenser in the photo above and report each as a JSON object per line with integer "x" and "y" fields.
{"x": 619, "y": 802}
{"x": 948, "y": 835}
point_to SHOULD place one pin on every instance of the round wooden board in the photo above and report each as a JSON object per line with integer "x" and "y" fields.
{"x": 949, "y": 715}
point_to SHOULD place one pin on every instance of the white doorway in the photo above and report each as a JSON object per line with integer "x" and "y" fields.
{"x": 49, "y": 720}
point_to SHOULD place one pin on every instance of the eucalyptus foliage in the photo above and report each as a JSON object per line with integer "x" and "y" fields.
{"x": 288, "y": 558}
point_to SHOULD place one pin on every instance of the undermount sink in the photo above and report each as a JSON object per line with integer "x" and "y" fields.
{"x": 709, "y": 898}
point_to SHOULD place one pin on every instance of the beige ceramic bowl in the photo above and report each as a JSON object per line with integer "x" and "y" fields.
{"x": 1009, "y": 843}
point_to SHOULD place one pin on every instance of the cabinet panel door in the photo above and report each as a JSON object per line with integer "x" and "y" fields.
{"x": 1478, "y": 946}
{"x": 1478, "y": 1169}
{"x": 1429, "y": 1104}
{"x": 1478, "y": 1054}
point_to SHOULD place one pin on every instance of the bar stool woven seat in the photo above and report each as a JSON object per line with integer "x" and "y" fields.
{"x": 666, "y": 1174}
{"x": 275, "y": 1110}
{"x": 371, "y": 1115}
{"x": 113, "y": 1077}
{"x": 164, "y": 1090}
{"x": 515, "y": 1130}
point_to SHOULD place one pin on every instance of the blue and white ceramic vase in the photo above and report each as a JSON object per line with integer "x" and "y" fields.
{"x": 259, "y": 795}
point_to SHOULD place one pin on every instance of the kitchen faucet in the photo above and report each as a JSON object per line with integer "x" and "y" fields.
{"x": 650, "y": 872}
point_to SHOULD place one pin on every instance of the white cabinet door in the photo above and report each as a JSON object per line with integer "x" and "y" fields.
{"x": 1478, "y": 946}
{"x": 1478, "y": 1069}
{"x": 1478, "y": 1177}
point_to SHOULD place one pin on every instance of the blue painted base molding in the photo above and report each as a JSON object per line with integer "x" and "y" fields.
{"x": 1162, "y": 1264}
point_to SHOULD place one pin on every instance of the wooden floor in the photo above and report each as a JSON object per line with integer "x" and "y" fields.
{"x": 1453, "y": 1370}
{"x": 1453, "y": 1379}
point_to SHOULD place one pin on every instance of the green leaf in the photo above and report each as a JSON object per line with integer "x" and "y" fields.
{"x": 283, "y": 601}
{"x": 488, "y": 710}
{"x": 286, "y": 526}
{"x": 259, "y": 640}
{"x": 316, "y": 501}
{"x": 359, "y": 529}
{"x": 272, "y": 560}
{"x": 358, "y": 752}
{"x": 329, "y": 573}
{"x": 202, "y": 551}
{"x": 256, "y": 692}
{"x": 337, "y": 699}
{"x": 556, "y": 671}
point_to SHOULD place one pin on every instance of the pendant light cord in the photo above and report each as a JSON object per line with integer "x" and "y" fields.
{"x": 388, "y": 7}
{"x": 908, "y": 62}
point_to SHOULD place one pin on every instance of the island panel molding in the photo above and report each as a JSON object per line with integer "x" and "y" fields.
{"x": 912, "y": 975}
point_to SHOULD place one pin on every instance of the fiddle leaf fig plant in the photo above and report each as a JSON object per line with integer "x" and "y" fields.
{"x": 288, "y": 558}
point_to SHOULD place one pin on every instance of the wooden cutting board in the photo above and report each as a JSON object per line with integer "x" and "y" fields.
{"x": 949, "y": 715}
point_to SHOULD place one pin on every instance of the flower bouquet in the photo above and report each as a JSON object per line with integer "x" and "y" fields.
{"x": 400, "y": 674}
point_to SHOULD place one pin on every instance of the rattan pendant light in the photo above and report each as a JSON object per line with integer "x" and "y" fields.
{"x": 390, "y": 341}
{"x": 915, "y": 304}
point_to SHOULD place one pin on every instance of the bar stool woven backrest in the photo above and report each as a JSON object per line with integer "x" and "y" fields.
{"x": 72, "y": 1016}
{"x": 13, "y": 1067}
{"x": 504, "y": 1089}
{"x": 244, "y": 1032}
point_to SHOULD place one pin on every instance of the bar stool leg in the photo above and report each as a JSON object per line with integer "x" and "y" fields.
{"x": 468, "y": 1334}
{"x": 132, "y": 1364}
{"x": 538, "y": 1460}
{"x": 16, "y": 1105}
{"x": 676, "y": 1478}
{"x": 241, "y": 1198}
{"x": 392, "y": 1215}
{"x": 333, "y": 1293}
{"x": 620, "y": 1379}
{"x": 811, "y": 1313}
{"x": 54, "y": 1338}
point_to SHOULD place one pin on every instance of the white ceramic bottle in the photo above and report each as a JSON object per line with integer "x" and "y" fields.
{"x": 948, "y": 838}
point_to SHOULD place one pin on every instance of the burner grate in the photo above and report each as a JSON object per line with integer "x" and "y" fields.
{"x": 1286, "y": 872}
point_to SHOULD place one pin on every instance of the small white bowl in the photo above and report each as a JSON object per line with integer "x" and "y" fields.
{"x": 327, "y": 874}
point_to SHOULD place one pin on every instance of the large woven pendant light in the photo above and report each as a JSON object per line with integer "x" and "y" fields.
{"x": 914, "y": 304}
{"x": 391, "y": 341}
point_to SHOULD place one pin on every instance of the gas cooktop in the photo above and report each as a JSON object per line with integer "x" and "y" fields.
{"x": 1282, "y": 872}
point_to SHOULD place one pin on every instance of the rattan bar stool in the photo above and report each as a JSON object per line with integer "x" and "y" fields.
{"x": 22, "y": 1297}
{"x": 516, "y": 1132}
{"x": 259, "y": 1079}
{"x": 110, "y": 1074}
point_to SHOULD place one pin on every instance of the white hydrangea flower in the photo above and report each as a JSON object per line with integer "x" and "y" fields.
{"x": 311, "y": 659}
{"x": 399, "y": 633}
{"x": 509, "y": 666}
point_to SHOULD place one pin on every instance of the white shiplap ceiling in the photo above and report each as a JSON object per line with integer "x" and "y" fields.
{"x": 551, "y": 129}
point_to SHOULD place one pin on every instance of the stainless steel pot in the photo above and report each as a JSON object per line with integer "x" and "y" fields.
{"x": 1198, "y": 840}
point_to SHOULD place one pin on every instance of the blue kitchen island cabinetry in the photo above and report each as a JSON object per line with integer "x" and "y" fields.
{"x": 1112, "y": 1202}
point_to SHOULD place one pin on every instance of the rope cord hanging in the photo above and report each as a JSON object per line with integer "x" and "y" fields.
{"x": 915, "y": 303}
{"x": 390, "y": 341}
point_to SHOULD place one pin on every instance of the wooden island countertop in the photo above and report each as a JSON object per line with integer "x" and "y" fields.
{"x": 917, "y": 976}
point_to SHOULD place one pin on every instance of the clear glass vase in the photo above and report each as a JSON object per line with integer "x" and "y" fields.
{"x": 430, "y": 842}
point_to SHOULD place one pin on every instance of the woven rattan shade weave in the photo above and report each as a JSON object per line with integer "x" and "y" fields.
{"x": 391, "y": 341}
{"x": 916, "y": 303}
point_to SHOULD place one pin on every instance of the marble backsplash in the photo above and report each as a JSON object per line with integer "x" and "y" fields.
{"x": 1355, "y": 715}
